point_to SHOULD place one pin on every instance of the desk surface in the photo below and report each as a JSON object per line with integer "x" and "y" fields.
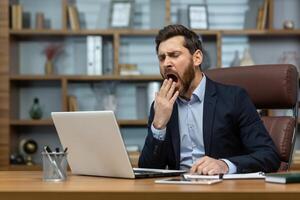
{"x": 29, "y": 185}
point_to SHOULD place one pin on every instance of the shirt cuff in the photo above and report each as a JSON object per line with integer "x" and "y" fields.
{"x": 159, "y": 134}
{"x": 231, "y": 167}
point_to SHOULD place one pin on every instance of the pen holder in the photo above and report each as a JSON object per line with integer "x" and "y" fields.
{"x": 54, "y": 166}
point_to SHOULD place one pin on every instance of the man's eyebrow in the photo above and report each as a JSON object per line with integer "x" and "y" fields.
{"x": 168, "y": 53}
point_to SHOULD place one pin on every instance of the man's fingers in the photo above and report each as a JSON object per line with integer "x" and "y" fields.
{"x": 165, "y": 88}
{"x": 173, "y": 99}
{"x": 170, "y": 93}
{"x": 194, "y": 168}
{"x": 164, "y": 84}
{"x": 212, "y": 172}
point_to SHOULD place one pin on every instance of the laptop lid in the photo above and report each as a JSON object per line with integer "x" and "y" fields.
{"x": 94, "y": 143}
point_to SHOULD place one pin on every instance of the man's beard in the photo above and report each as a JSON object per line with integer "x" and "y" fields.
{"x": 187, "y": 79}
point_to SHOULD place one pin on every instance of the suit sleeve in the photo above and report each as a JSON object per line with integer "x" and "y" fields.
{"x": 155, "y": 151}
{"x": 261, "y": 152}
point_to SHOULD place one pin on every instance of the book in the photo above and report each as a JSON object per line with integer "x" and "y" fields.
{"x": 259, "y": 18}
{"x": 129, "y": 69}
{"x": 264, "y": 15}
{"x": 14, "y": 16}
{"x": 72, "y": 103}
{"x": 94, "y": 55}
{"x": 90, "y": 55}
{"x": 73, "y": 17}
{"x": 17, "y": 16}
{"x": 98, "y": 55}
{"x": 287, "y": 177}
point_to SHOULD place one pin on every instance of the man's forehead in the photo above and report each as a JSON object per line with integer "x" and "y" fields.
{"x": 172, "y": 44}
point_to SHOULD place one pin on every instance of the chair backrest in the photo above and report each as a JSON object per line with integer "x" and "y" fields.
{"x": 269, "y": 87}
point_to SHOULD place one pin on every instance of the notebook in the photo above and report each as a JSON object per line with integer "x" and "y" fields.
{"x": 95, "y": 146}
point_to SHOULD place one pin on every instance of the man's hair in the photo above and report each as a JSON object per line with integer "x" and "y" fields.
{"x": 191, "y": 39}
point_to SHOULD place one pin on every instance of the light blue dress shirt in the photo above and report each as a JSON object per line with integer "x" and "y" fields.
{"x": 191, "y": 129}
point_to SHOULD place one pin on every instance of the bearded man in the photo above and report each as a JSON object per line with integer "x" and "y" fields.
{"x": 198, "y": 124}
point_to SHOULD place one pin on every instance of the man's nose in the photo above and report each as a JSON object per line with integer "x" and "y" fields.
{"x": 167, "y": 62}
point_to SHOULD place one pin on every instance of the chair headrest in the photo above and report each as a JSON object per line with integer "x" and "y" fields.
{"x": 269, "y": 86}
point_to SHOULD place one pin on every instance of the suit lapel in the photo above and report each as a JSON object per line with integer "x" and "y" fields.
{"x": 175, "y": 137}
{"x": 210, "y": 99}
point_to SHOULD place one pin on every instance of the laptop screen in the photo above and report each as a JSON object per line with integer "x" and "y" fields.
{"x": 94, "y": 142}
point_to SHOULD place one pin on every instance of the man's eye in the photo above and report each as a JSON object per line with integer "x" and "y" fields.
{"x": 161, "y": 58}
{"x": 174, "y": 55}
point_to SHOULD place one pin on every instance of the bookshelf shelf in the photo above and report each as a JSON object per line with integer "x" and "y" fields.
{"x": 25, "y": 168}
{"x": 266, "y": 33}
{"x": 48, "y": 122}
{"x": 85, "y": 78}
{"x": 125, "y": 32}
{"x": 35, "y": 78}
{"x": 114, "y": 78}
{"x": 41, "y": 122}
{"x": 133, "y": 122}
{"x": 33, "y": 32}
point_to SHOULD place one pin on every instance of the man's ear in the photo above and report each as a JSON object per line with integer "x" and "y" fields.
{"x": 197, "y": 57}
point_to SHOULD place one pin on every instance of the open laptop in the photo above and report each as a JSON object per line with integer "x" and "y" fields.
{"x": 96, "y": 147}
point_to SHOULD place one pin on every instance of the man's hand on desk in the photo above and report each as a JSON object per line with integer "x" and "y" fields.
{"x": 209, "y": 166}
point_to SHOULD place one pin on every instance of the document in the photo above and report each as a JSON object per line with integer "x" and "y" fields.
{"x": 255, "y": 175}
{"x": 182, "y": 180}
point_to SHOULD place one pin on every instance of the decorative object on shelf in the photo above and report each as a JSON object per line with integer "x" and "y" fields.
{"x": 198, "y": 16}
{"x": 17, "y": 159}
{"x": 247, "y": 58}
{"x": 51, "y": 51}
{"x": 110, "y": 100}
{"x": 26, "y": 21}
{"x": 236, "y": 59}
{"x": 290, "y": 57}
{"x": 39, "y": 20}
{"x": 36, "y": 111}
{"x": 288, "y": 24}
{"x": 27, "y": 148}
{"x": 129, "y": 69}
{"x": 121, "y": 13}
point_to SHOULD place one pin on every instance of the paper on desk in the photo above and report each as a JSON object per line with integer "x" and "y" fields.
{"x": 255, "y": 175}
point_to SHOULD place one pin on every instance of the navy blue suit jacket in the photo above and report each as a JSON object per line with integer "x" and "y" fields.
{"x": 232, "y": 129}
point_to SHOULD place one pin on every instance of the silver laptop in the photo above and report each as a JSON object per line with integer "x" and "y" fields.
{"x": 96, "y": 147}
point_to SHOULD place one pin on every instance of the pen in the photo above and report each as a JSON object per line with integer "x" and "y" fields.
{"x": 183, "y": 178}
{"x": 221, "y": 176}
{"x": 53, "y": 162}
{"x": 66, "y": 149}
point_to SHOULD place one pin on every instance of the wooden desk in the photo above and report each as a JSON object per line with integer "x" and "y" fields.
{"x": 29, "y": 185}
